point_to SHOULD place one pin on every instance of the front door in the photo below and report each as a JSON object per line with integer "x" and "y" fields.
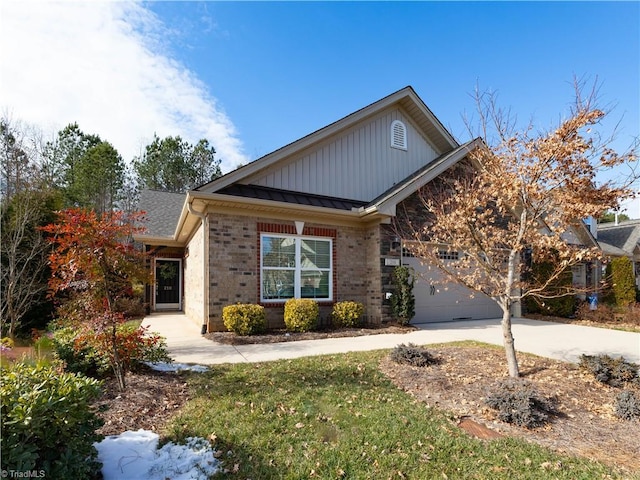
{"x": 168, "y": 284}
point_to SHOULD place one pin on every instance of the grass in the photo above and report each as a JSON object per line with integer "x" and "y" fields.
{"x": 337, "y": 416}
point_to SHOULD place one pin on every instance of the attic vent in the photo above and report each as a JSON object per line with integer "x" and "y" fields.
{"x": 398, "y": 135}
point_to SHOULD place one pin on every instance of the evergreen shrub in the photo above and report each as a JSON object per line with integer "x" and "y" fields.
{"x": 518, "y": 402}
{"x": 48, "y": 423}
{"x": 347, "y": 314}
{"x": 301, "y": 314}
{"x": 244, "y": 318}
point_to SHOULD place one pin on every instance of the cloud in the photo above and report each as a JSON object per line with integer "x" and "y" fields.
{"x": 105, "y": 66}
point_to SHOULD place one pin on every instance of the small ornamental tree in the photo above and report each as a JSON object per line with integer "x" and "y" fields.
{"x": 94, "y": 263}
{"x": 519, "y": 194}
{"x": 403, "y": 301}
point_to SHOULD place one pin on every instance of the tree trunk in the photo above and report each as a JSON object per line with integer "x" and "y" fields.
{"x": 118, "y": 368}
{"x": 509, "y": 344}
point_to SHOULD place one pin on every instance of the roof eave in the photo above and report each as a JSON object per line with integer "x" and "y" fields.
{"x": 388, "y": 201}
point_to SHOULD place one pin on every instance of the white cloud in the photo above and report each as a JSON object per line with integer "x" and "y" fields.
{"x": 102, "y": 64}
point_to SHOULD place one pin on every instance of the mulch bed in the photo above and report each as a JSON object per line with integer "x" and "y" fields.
{"x": 276, "y": 336}
{"x": 585, "y": 426}
{"x": 148, "y": 401}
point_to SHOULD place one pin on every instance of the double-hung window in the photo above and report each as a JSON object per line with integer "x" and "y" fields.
{"x": 295, "y": 267}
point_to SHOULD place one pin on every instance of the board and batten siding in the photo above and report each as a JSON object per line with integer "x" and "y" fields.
{"x": 358, "y": 164}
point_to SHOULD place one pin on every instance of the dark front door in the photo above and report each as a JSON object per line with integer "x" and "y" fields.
{"x": 168, "y": 282}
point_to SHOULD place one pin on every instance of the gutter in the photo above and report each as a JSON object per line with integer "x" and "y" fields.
{"x": 205, "y": 267}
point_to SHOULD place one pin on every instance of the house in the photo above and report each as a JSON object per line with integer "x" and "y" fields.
{"x": 312, "y": 220}
{"x": 622, "y": 240}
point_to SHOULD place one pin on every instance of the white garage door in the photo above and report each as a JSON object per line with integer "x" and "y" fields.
{"x": 446, "y": 302}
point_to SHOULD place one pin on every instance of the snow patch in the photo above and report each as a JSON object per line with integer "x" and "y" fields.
{"x": 135, "y": 456}
{"x": 175, "y": 367}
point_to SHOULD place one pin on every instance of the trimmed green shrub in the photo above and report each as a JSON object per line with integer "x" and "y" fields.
{"x": 612, "y": 371}
{"x": 412, "y": 355}
{"x": 48, "y": 423}
{"x": 301, "y": 314}
{"x": 623, "y": 287}
{"x": 347, "y": 314}
{"x": 518, "y": 402}
{"x": 627, "y": 405}
{"x": 244, "y": 319}
{"x": 403, "y": 301}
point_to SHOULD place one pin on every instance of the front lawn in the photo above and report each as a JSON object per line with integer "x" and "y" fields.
{"x": 339, "y": 417}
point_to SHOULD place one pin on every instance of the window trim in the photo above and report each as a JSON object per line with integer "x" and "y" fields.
{"x": 298, "y": 270}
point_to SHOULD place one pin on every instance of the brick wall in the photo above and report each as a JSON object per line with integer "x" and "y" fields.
{"x": 234, "y": 265}
{"x": 193, "y": 278}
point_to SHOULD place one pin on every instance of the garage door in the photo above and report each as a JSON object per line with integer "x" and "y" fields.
{"x": 438, "y": 302}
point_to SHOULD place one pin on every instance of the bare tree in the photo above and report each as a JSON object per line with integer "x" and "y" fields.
{"x": 24, "y": 250}
{"x": 25, "y": 205}
{"x": 520, "y": 195}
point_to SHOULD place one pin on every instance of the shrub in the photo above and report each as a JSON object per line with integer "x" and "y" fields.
{"x": 244, "y": 319}
{"x": 612, "y": 371}
{"x": 403, "y": 301}
{"x": 89, "y": 353}
{"x": 77, "y": 354}
{"x": 412, "y": 355}
{"x": 347, "y": 314}
{"x": 609, "y": 314}
{"x": 131, "y": 307}
{"x": 518, "y": 402}
{"x": 627, "y": 405}
{"x": 48, "y": 423}
{"x": 622, "y": 279}
{"x": 558, "y": 305}
{"x": 301, "y": 314}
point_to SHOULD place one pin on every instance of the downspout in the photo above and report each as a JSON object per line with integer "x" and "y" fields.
{"x": 205, "y": 267}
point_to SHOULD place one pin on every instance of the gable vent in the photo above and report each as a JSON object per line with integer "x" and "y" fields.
{"x": 398, "y": 135}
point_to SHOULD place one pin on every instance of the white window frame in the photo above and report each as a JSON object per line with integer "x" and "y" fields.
{"x": 298, "y": 270}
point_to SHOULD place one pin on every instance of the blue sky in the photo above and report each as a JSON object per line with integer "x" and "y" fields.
{"x": 285, "y": 69}
{"x": 252, "y": 77}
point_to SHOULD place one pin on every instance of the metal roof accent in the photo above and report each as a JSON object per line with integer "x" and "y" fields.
{"x": 287, "y": 196}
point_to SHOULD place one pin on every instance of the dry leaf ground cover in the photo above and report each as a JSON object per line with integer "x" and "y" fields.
{"x": 585, "y": 424}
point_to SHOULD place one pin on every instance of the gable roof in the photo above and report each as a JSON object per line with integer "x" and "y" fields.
{"x": 621, "y": 239}
{"x": 173, "y": 216}
{"x": 387, "y": 201}
{"x": 406, "y": 98}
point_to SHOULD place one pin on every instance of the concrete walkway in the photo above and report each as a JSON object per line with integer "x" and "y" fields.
{"x": 547, "y": 339}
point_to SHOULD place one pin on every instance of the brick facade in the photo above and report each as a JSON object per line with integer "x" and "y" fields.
{"x": 234, "y": 266}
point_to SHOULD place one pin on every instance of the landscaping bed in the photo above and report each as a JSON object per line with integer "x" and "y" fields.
{"x": 276, "y": 336}
{"x": 585, "y": 425}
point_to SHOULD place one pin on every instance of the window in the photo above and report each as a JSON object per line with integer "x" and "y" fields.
{"x": 295, "y": 267}
{"x": 448, "y": 255}
{"x": 398, "y": 135}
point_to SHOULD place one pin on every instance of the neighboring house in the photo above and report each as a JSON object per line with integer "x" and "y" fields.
{"x": 312, "y": 220}
{"x": 622, "y": 240}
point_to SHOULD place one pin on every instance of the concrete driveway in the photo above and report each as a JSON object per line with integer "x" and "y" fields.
{"x": 547, "y": 339}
